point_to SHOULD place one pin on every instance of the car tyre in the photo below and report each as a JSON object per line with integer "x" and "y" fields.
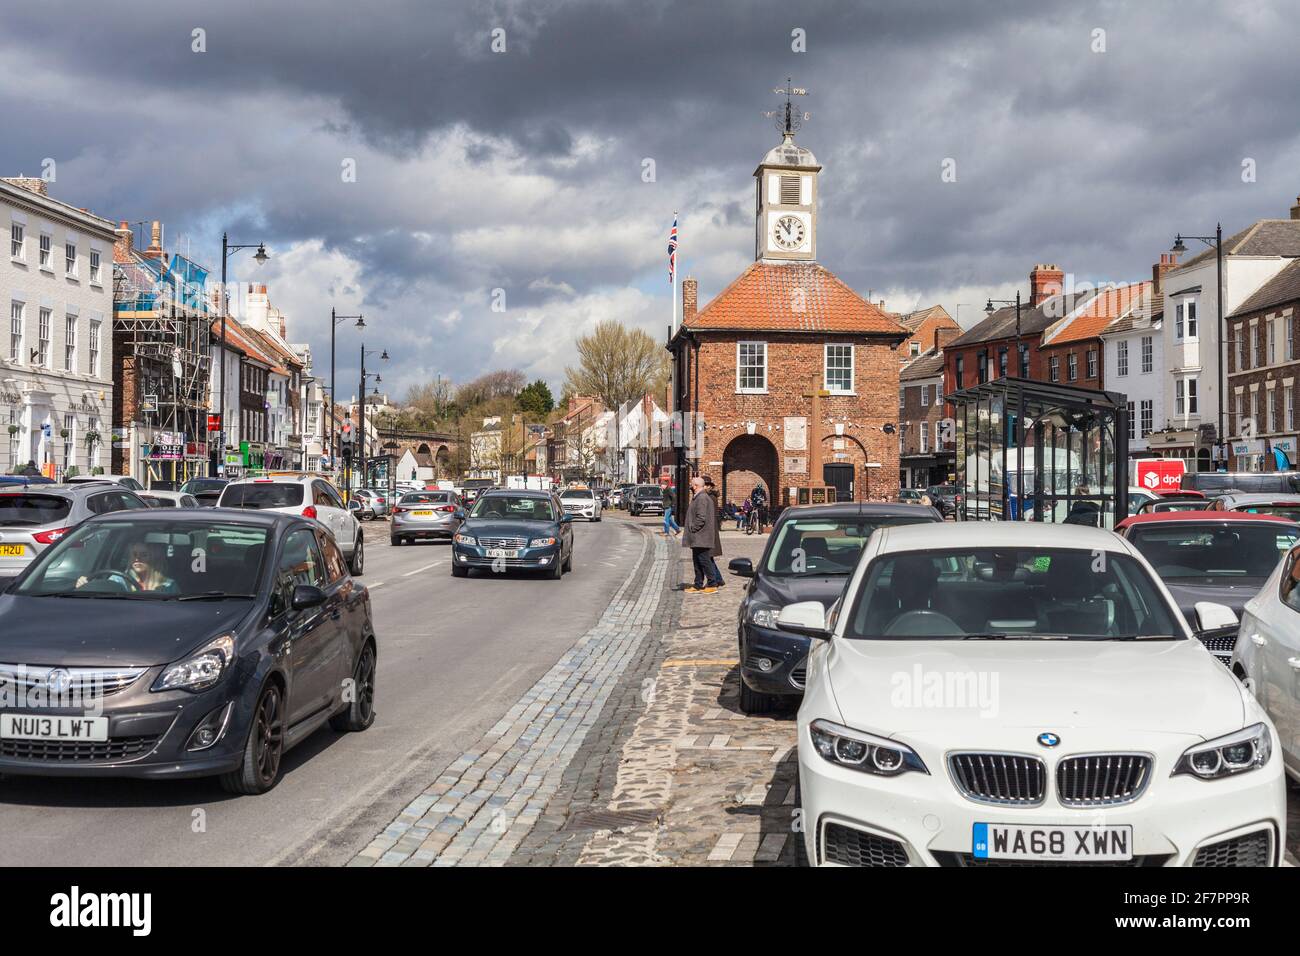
{"x": 556, "y": 571}
{"x": 458, "y": 572}
{"x": 753, "y": 702}
{"x": 357, "y": 563}
{"x": 395, "y": 541}
{"x": 359, "y": 714}
{"x": 259, "y": 770}
{"x": 568, "y": 563}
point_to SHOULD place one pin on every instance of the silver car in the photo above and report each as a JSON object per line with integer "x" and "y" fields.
{"x": 426, "y": 514}
{"x": 35, "y": 516}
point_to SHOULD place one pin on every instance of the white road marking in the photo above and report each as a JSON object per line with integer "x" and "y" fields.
{"x": 425, "y": 568}
{"x": 377, "y": 584}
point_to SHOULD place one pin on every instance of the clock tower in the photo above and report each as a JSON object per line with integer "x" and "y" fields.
{"x": 785, "y": 194}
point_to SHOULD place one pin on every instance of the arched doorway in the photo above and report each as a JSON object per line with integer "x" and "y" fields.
{"x": 442, "y": 462}
{"x": 748, "y": 461}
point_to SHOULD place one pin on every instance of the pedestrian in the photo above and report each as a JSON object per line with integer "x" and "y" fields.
{"x": 30, "y": 470}
{"x": 671, "y": 527}
{"x": 702, "y": 537}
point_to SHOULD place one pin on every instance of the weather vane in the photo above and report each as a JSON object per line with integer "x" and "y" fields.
{"x": 789, "y": 120}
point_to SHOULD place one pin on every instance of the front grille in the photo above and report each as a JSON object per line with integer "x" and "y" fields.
{"x": 1221, "y": 646}
{"x": 1253, "y": 849}
{"x": 799, "y": 675}
{"x": 850, "y": 847}
{"x": 67, "y": 751}
{"x": 969, "y": 859}
{"x": 1016, "y": 780}
{"x": 502, "y": 542}
{"x": 82, "y": 682}
{"x": 1101, "y": 780}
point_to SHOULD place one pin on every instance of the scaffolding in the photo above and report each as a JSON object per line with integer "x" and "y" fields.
{"x": 162, "y": 336}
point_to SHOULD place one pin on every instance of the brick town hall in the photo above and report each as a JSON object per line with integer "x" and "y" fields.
{"x": 785, "y": 338}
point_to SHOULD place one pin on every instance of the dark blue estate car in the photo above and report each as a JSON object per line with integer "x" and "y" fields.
{"x": 514, "y": 531}
{"x": 182, "y": 644}
{"x": 809, "y": 557}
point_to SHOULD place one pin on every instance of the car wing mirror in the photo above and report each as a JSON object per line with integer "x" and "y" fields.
{"x": 742, "y": 567}
{"x": 806, "y": 617}
{"x": 305, "y": 596}
{"x": 1211, "y": 616}
{"x": 566, "y": 518}
{"x": 460, "y": 513}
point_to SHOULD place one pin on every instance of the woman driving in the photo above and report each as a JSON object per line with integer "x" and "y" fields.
{"x": 142, "y": 572}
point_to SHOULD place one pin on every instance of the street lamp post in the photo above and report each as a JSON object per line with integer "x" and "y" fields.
{"x": 1020, "y": 413}
{"x": 361, "y": 425}
{"x": 227, "y": 250}
{"x": 335, "y": 319}
{"x": 1216, "y": 240}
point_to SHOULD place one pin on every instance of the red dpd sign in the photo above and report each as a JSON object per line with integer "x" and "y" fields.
{"x": 1159, "y": 474}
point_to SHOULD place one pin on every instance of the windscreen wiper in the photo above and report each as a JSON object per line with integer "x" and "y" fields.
{"x": 1015, "y": 637}
{"x": 213, "y": 595}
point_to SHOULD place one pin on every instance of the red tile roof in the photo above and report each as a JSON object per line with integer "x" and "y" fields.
{"x": 1104, "y": 308}
{"x": 793, "y": 297}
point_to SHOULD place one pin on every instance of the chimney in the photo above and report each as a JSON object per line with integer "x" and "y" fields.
{"x": 882, "y": 305}
{"x": 1045, "y": 281}
{"x": 155, "y": 241}
{"x": 943, "y": 335}
{"x": 1295, "y": 210}
{"x": 33, "y": 184}
{"x": 1168, "y": 260}
{"x": 123, "y": 243}
{"x": 690, "y": 299}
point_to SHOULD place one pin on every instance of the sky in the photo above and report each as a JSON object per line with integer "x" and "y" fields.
{"x": 503, "y": 201}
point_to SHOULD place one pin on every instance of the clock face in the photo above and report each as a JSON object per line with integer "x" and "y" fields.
{"x": 788, "y": 232}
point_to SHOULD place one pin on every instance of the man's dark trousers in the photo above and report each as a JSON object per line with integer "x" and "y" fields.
{"x": 706, "y": 569}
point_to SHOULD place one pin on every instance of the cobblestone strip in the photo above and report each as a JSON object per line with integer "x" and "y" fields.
{"x": 483, "y": 805}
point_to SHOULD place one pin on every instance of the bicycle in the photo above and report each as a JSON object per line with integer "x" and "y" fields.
{"x": 752, "y": 522}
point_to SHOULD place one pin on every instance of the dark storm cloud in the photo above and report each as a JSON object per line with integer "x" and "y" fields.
{"x": 522, "y": 170}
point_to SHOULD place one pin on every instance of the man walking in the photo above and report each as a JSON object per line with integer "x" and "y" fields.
{"x": 702, "y": 537}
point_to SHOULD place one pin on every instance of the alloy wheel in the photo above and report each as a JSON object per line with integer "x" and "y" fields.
{"x": 270, "y": 735}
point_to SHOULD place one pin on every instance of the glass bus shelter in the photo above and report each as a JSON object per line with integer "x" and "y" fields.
{"x": 1041, "y": 451}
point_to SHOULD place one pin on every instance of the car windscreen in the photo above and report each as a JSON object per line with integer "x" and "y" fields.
{"x": 1288, "y": 510}
{"x": 425, "y": 498}
{"x": 1208, "y": 552}
{"x": 1009, "y": 594}
{"x": 825, "y": 545}
{"x": 196, "y": 485}
{"x": 520, "y": 507}
{"x": 269, "y": 494}
{"x": 583, "y": 493}
{"x": 649, "y": 491}
{"x": 150, "y": 561}
{"x": 19, "y": 509}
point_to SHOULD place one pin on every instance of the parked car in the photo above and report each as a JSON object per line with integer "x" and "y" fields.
{"x": 910, "y": 496}
{"x": 1213, "y": 483}
{"x": 1139, "y": 498}
{"x": 126, "y": 481}
{"x": 1282, "y": 505}
{"x": 378, "y": 501}
{"x": 946, "y": 498}
{"x": 1110, "y": 736}
{"x": 7, "y": 481}
{"x": 510, "y": 530}
{"x": 1218, "y": 557}
{"x": 623, "y": 494}
{"x": 810, "y": 554}
{"x": 581, "y": 503}
{"x": 33, "y": 518}
{"x": 425, "y": 514}
{"x": 187, "y": 661}
{"x": 1166, "y": 505}
{"x": 646, "y": 500}
{"x": 155, "y": 498}
{"x": 303, "y": 495}
{"x": 206, "y": 491}
{"x": 1266, "y": 658}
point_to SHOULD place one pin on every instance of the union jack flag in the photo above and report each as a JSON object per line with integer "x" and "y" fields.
{"x": 672, "y": 251}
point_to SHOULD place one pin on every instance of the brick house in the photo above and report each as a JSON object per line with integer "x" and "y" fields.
{"x": 1261, "y": 375}
{"x": 785, "y": 338}
{"x": 1071, "y": 349}
{"x": 922, "y": 327}
{"x": 988, "y": 350}
{"x": 926, "y": 453}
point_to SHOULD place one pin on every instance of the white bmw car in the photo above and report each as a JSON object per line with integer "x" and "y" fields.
{"x": 1012, "y": 694}
{"x": 1267, "y": 654}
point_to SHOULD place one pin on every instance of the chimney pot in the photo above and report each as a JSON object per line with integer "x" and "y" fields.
{"x": 1295, "y": 210}
{"x": 1045, "y": 281}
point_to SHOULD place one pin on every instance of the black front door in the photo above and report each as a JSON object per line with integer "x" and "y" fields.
{"x": 839, "y": 475}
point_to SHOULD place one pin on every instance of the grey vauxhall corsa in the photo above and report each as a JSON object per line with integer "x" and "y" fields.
{"x": 33, "y": 517}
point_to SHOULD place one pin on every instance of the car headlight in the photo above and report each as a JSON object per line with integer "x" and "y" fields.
{"x": 466, "y": 539}
{"x": 858, "y": 750}
{"x": 763, "y": 615}
{"x": 1245, "y": 750}
{"x": 541, "y": 542}
{"x": 200, "y": 670}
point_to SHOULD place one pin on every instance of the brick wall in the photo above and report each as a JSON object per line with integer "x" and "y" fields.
{"x": 1063, "y": 352}
{"x": 1268, "y": 380}
{"x": 793, "y": 363}
{"x": 935, "y": 332}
